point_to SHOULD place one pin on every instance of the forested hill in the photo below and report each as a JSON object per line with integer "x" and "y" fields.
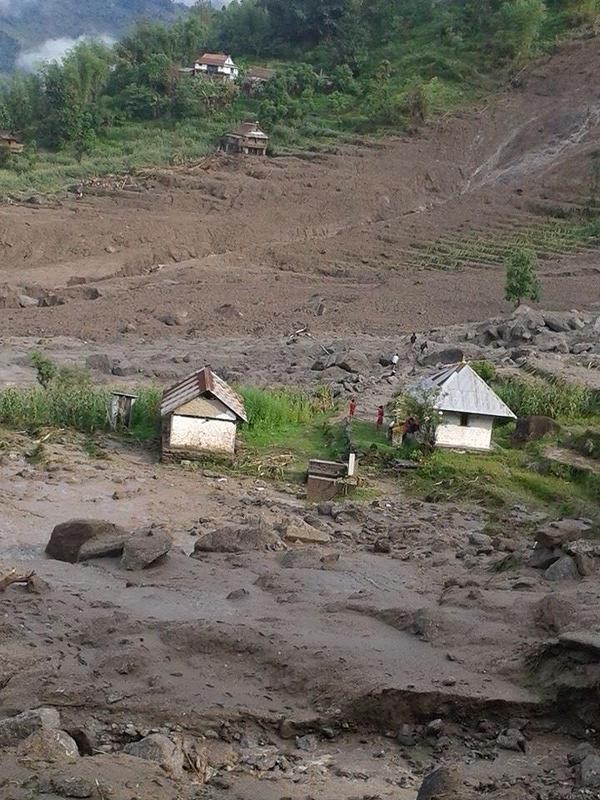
{"x": 342, "y": 67}
{"x": 27, "y": 25}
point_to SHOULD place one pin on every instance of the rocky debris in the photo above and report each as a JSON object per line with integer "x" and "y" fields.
{"x": 563, "y": 551}
{"x": 48, "y": 744}
{"x": 81, "y": 539}
{"x": 444, "y": 783}
{"x": 145, "y": 548}
{"x": 347, "y": 361}
{"x": 564, "y": 569}
{"x": 300, "y": 531}
{"x": 553, "y": 613}
{"x": 13, "y": 729}
{"x": 586, "y": 554}
{"x": 481, "y": 542}
{"x": 252, "y": 535}
{"x": 238, "y": 594}
{"x": 588, "y": 772}
{"x": 160, "y": 749}
{"x": 528, "y": 429}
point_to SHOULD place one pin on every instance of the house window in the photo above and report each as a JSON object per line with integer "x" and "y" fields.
{"x": 464, "y": 420}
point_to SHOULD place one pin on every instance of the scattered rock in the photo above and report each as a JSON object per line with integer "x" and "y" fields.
{"x": 512, "y": 739}
{"x": 48, "y": 744}
{"x": 543, "y": 557}
{"x": 588, "y": 772}
{"x": 256, "y": 535}
{"x": 581, "y": 751}
{"x": 144, "y": 548}
{"x": 448, "y": 355}
{"x": 308, "y": 743}
{"x": 37, "y": 585}
{"x": 72, "y": 786}
{"x": 13, "y": 729}
{"x": 100, "y": 362}
{"x": 353, "y": 361}
{"x": 161, "y": 750}
{"x": 81, "y": 539}
{"x": 27, "y": 302}
{"x": 558, "y": 532}
{"x": 382, "y": 545}
{"x": 564, "y": 569}
{"x": 482, "y": 542}
{"x": 561, "y": 322}
{"x": 177, "y": 318}
{"x": 238, "y": 594}
{"x": 553, "y": 613}
{"x": 528, "y": 429}
{"x": 300, "y": 531}
{"x": 444, "y": 783}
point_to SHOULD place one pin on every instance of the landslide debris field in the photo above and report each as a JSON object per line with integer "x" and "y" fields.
{"x": 208, "y": 633}
{"x": 405, "y": 232}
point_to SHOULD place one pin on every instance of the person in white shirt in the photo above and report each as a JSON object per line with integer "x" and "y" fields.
{"x": 395, "y": 359}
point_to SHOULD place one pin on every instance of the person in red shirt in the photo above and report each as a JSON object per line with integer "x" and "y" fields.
{"x": 379, "y": 421}
{"x": 352, "y": 408}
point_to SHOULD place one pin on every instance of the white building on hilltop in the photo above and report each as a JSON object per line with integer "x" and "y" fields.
{"x": 467, "y": 407}
{"x": 219, "y": 66}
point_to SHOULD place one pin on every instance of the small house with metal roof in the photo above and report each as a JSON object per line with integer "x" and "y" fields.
{"x": 467, "y": 407}
{"x": 200, "y": 415}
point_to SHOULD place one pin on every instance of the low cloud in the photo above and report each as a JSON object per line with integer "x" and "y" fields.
{"x": 52, "y": 50}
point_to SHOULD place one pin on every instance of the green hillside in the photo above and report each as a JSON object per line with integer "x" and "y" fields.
{"x": 343, "y": 68}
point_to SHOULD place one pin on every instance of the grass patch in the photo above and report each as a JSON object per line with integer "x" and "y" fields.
{"x": 554, "y": 398}
{"x": 83, "y": 408}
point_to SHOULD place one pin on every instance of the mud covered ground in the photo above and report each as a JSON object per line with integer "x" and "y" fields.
{"x": 327, "y": 670}
{"x": 253, "y": 247}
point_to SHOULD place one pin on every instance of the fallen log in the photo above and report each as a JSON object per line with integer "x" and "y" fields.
{"x": 14, "y": 577}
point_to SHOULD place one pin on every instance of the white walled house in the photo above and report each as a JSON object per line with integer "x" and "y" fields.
{"x": 467, "y": 407}
{"x": 200, "y": 416}
{"x": 216, "y": 65}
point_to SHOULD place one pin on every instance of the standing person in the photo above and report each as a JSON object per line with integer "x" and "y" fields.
{"x": 413, "y": 339}
{"x": 395, "y": 360}
{"x": 352, "y": 408}
{"x": 379, "y": 419}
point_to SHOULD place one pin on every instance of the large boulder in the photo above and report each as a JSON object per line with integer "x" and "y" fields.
{"x": 588, "y": 772}
{"x": 444, "y": 783}
{"x": 161, "y": 750}
{"x": 145, "y": 547}
{"x": 252, "y": 535}
{"x": 13, "y": 729}
{"x": 48, "y": 744}
{"x": 564, "y": 569}
{"x": 562, "y": 321}
{"x": 353, "y": 361}
{"x": 447, "y": 355}
{"x": 552, "y": 343}
{"x": 81, "y": 539}
{"x": 534, "y": 427}
{"x": 559, "y": 532}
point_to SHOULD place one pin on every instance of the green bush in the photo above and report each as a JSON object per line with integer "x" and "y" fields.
{"x": 556, "y": 399}
{"x": 485, "y": 369}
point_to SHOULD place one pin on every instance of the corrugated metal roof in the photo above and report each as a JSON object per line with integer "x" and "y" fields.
{"x": 459, "y": 388}
{"x": 249, "y": 129}
{"x": 204, "y": 381}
